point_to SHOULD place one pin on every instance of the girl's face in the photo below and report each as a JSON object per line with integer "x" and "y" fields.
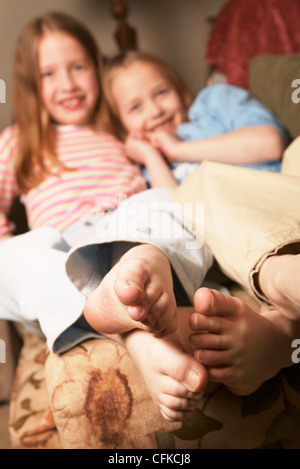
{"x": 69, "y": 86}
{"x": 146, "y": 100}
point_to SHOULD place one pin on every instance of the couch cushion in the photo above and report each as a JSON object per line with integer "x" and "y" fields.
{"x": 271, "y": 80}
{"x": 31, "y": 424}
{"x": 99, "y": 401}
{"x": 9, "y": 349}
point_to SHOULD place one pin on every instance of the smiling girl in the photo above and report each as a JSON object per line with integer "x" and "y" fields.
{"x": 144, "y": 95}
{"x": 54, "y": 155}
{"x": 150, "y": 106}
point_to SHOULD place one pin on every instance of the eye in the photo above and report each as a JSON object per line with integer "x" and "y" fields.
{"x": 77, "y": 67}
{"x": 135, "y": 107}
{"x": 162, "y": 91}
{"x": 47, "y": 74}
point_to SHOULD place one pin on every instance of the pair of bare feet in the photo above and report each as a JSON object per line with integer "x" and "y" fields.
{"x": 178, "y": 349}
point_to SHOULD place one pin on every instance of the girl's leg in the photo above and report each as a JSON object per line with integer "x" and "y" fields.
{"x": 34, "y": 288}
{"x": 252, "y": 227}
{"x": 249, "y": 215}
{"x": 279, "y": 280}
{"x": 291, "y": 161}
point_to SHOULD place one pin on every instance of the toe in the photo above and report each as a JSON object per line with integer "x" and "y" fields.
{"x": 130, "y": 282}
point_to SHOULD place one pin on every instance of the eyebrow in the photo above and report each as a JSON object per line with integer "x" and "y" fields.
{"x": 79, "y": 59}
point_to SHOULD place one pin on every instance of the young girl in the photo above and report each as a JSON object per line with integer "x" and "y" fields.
{"x": 57, "y": 100}
{"x": 66, "y": 169}
{"x": 148, "y": 102}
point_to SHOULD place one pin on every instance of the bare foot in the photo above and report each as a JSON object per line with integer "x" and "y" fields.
{"x": 238, "y": 346}
{"x": 136, "y": 293}
{"x": 174, "y": 378}
{"x": 279, "y": 280}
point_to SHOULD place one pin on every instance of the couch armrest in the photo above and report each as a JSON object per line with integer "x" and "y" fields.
{"x": 271, "y": 80}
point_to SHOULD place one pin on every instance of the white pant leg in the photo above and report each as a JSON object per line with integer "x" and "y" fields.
{"x": 34, "y": 287}
{"x": 147, "y": 217}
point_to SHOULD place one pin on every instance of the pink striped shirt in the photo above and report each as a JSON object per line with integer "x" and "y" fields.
{"x": 102, "y": 176}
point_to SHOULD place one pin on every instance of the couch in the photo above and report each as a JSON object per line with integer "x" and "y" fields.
{"x": 93, "y": 397}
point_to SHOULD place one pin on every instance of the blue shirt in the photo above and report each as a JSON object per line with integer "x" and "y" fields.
{"x": 219, "y": 109}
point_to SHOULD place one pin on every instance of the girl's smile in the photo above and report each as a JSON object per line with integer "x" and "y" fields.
{"x": 167, "y": 124}
{"x": 69, "y": 87}
{"x": 146, "y": 100}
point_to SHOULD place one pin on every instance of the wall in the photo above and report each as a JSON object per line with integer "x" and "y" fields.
{"x": 174, "y": 29}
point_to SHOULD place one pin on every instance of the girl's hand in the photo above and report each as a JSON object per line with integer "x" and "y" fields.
{"x": 167, "y": 143}
{"x": 137, "y": 148}
{"x": 140, "y": 150}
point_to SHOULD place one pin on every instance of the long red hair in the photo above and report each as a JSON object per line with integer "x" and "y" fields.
{"x": 32, "y": 120}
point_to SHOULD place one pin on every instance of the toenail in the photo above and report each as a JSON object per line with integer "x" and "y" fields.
{"x": 193, "y": 381}
{"x": 135, "y": 285}
{"x": 194, "y": 340}
{"x": 197, "y": 319}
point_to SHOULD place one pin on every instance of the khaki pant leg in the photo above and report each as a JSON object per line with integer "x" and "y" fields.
{"x": 291, "y": 159}
{"x": 248, "y": 215}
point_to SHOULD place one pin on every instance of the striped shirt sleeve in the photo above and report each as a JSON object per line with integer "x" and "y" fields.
{"x": 8, "y": 186}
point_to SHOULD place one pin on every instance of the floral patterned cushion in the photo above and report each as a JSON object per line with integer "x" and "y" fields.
{"x": 10, "y": 344}
{"x": 93, "y": 397}
{"x": 31, "y": 424}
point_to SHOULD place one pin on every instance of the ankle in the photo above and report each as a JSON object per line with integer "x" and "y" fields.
{"x": 272, "y": 278}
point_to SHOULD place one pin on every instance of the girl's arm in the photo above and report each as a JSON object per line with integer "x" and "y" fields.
{"x": 247, "y": 145}
{"x": 143, "y": 153}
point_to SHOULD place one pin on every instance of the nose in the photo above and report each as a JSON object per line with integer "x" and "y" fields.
{"x": 67, "y": 81}
{"x": 154, "y": 108}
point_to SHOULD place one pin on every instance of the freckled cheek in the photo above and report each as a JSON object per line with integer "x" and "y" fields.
{"x": 47, "y": 95}
{"x": 131, "y": 124}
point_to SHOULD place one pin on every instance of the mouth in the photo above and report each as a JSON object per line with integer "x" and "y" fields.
{"x": 72, "y": 104}
{"x": 167, "y": 124}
